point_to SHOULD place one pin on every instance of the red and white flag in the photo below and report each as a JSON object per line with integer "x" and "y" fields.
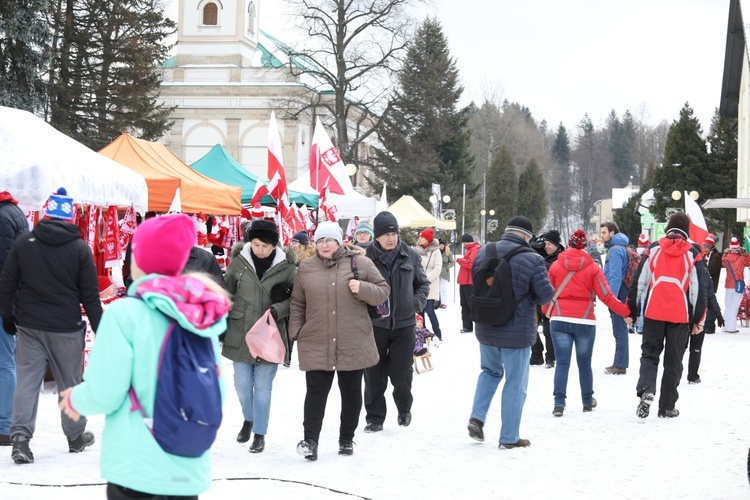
{"x": 276, "y": 175}
{"x": 326, "y": 167}
{"x": 698, "y": 228}
{"x": 328, "y": 208}
{"x": 259, "y": 192}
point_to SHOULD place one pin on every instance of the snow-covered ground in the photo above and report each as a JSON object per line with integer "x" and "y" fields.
{"x": 604, "y": 454}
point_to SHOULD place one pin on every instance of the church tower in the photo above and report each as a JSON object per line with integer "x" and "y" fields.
{"x": 217, "y": 32}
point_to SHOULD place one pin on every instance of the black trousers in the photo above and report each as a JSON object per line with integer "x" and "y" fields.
{"x": 694, "y": 359}
{"x": 464, "y": 292}
{"x": 319, "y": 384}
{"x": 671, "y": 338}
{"x": 537, "y": 350}
{"x": 396, "y": 349}
{"x": 116, "y": 492}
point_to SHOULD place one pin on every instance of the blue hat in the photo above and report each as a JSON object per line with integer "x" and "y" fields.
{"x": 301, "y": 237}
{"x": 60, "y": 205}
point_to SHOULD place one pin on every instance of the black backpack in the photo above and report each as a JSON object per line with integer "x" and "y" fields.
{"x": 492, "y": 300}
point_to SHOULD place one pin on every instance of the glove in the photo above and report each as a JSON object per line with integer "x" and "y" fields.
{"x": 9, "y": 324}
{"x": 720, "y": 320}
{"x": 274, "y": 313}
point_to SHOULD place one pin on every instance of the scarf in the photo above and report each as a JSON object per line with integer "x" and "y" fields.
{"x": 386, "y": 258}
{"x": 262, "y": 265}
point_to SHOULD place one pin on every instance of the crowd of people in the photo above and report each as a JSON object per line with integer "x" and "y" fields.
{"x": 355, "y": 310}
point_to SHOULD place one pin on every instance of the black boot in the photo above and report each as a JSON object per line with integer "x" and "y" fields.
{"x": 308, "y": 449}
{"x": 259, "y": 444}
{"x": 21, "y": 453}
{"x": 244, "y": 435}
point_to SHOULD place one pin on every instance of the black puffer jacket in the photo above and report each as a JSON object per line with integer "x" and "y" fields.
{"x": 12, "y": 225}
{"x": 52, "y": 270}
{"x": 409, "y": 287}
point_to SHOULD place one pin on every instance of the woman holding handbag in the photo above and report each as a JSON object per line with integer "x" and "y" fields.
{"x": 577, "y": 280}
{"x": 333, "y": 331}
{"x": 259, "y": 279}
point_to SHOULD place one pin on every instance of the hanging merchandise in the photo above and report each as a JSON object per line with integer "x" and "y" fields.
{"x": 112, "y": 250}
{"x": 128, "y": 225}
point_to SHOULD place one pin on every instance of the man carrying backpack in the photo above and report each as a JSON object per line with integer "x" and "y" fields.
{"x": 505, "y": 347}
{"x": 181, "y": 316}
{"x": 673, "y": 292}
{"x": 615, "y": 267}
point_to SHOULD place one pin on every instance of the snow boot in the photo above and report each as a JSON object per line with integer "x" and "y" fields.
{"x": 80, "y": 443}
{"x": 643, "y": 407}
{"x": 259, "y": 444}
{"x": 591, "y": 406}
{"x": 308, "y": 449}
{"x": 674, "y": 412}
{"x": 21, "y": 453}
{"x": 346, "y": 447}
{"x": 475, "y": 429}
{"x": 558, "y": 411}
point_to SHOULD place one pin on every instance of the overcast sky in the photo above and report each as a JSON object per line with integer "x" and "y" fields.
{"x": 562, "y": 59}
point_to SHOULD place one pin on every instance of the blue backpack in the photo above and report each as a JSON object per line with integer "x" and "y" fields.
{"x": 187, "y": 404}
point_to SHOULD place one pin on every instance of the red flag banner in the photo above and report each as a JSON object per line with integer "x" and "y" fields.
{"x": 698, "y": 228}
{"x": 326, "y": 167}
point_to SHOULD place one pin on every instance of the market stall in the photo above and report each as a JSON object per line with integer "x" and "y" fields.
{"x": 410, "y": 213}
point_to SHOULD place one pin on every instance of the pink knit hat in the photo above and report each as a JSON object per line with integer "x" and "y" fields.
{"x": 162, "y": 245}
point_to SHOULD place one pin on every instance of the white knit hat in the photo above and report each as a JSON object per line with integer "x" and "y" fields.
{"x": 328, "y": 230}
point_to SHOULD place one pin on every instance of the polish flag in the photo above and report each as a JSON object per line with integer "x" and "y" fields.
{"x": 260, "y": 191}
{"x": 326, "y": 167}
{"x": 277, "y": 177}
{"x": 698, "y": 228}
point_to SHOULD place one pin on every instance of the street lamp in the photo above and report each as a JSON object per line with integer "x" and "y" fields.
{"x": 677, "y": 195}
{"x": 351, "y": 171}
{"x": 437, "y": 207}
{"x": 487, "y": 224}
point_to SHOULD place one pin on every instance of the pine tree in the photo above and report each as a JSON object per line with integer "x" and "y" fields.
{"x": 501, "y": 191}
{"x": 104, "y": 79}
{"x": 559, "y": 182}
{"x": 685, "y": 158}
{"x": 532, "y": 199}
{"x": 622, "y": 146}
{"x": 719, "y": 177}
{"x": 425, "y": 138}
{"x": 24, "y": 59}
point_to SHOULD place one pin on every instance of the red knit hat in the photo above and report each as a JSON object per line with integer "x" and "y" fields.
{"x": 578, "y": 239}
{"x": 710, "y": 239}
{"x": 643, "y": 240}
{"x": 734, "y": 243}
{"x": 162, "y": 245}
{"x": 428, "y": 234}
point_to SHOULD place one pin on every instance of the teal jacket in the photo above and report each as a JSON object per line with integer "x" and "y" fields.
{"x": 126, "y": 352}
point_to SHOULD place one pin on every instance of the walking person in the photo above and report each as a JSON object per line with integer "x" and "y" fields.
{"x": 445, "y": 272}
{"x": 673, "y": 291}
{"x": 505, "y": 349}
{"x": 333, "y": 332}
{"x": 51, "y": 272}
{"x": 553, "y": 247}
{"x": 363, "y": 235}
{"x": 12, "y": 225}
{"x": 577, "y": 280}
{"x": 127, "y": 355}
{"x": 464, "y": 280}
{"x": 695, "y": 345}
{"x": 735, "y": 259}
{"x": 712, "y": 258}
{"x": 432, "y": 262}
{"x": 402, "y": 269}
{"x": 615, "y": 266}
{"x": 257, "y": 279}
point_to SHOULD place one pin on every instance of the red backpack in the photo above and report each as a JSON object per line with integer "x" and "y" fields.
{"x": 632, "y": 266}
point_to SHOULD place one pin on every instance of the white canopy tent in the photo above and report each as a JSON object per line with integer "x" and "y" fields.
{"x": 347, "y": 205}
{"x": 37, "y": 160}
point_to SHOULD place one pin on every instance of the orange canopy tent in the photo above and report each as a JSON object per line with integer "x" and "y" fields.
{"x": 164, "y": 173}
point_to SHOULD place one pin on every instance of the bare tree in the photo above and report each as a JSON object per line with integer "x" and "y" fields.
{"x": 350, "y": 52}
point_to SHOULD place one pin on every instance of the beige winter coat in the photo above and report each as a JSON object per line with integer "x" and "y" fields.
{"x": 432, "y": 261}
{"x": 330, "y": 324}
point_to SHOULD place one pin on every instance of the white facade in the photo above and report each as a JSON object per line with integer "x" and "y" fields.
{"x": 743, "y": 141}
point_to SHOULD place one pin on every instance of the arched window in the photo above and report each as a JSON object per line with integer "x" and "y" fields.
{"x": 251, "y": 18}
{"x": 210, "y": 14}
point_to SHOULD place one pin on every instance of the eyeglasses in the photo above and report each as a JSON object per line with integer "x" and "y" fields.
{"x": 325, "y": 241}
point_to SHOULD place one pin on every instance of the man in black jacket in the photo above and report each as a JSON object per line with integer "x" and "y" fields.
{"x": 12, "y": 225}
{"x": 51, "y": 270}
{"x": 551, "y": 249}
{"x": 712, "y": 258}
{"x": 401, "y": 266}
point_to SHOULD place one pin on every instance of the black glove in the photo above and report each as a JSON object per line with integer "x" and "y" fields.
{"x": 720, "y": 320}
{"x": 274, "y": 313}
{"x": 9, "y": 324}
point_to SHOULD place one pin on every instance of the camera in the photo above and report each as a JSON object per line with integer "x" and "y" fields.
{"x": 537, "y": 243}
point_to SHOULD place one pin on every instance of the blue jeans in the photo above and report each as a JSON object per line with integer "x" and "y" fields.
{"x": 7, "y": 378}
{"x": 564, "y": 336}
{"x": 254, "y": 383}
{"x": 514, "y": 364}
{"x": 620, "y": 332}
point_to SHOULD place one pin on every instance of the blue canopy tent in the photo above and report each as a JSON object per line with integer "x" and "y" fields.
{"x": 220, "y": 166}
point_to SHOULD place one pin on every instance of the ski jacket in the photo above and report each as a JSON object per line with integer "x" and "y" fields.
{"x": 576, "y": 302}
{"x": 251, "y": 298}
{"x": 531, "y": 286}
{"x": 12, "y": 225}
{"x": 432, "y": 262}
{"x": 738, "y": 260}
{"x": 669, "y": 284}
{"x": 466, "y": 263}
{"x": 616, "y": 262}
{"x": 126, "y": 353}
{"x": 52, "y": 271}
{"x": 409, "y": 287}
{"x": 330, "y": 324}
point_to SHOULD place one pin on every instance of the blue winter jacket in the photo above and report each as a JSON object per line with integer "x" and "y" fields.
{"x": 530, "y": 280}
{"x": 616, "y": 263}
